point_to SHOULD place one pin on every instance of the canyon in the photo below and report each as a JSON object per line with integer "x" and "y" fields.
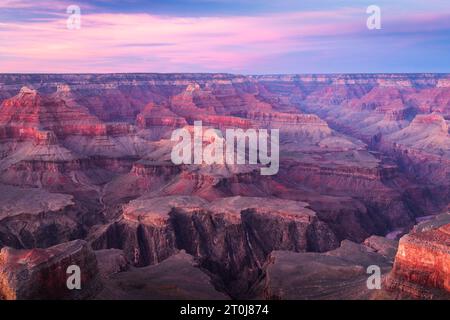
{"x": 363, "y": 179}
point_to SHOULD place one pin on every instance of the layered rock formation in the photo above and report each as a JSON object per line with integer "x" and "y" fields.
{"x": 422, "y": 263}
{"x": 360, "y": 155}
{"x": 231, "y": 237}
{"x": 386, "y": 111}
{"x": 29, "y": 109}
{"x": 42, "y": 273}
{"x": 31, "y": 217}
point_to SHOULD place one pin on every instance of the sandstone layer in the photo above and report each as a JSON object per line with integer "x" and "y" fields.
{"x": 89, "y": 157}
{"x": 231, "y": 237}
{"x": 42, "y": 273}
{"x": 422, "y": 263}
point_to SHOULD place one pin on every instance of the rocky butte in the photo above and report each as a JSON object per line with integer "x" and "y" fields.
{"x": 87, "y": 176}
{"x": 422, "y": 264}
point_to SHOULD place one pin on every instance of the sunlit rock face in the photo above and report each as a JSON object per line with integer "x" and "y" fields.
{"x": 42, "y": 273}
{"x": 422, "y": 263}
{"x": 362, "y": 159}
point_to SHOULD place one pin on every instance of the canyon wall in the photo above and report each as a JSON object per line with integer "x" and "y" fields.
{"x": 360, "y": 155}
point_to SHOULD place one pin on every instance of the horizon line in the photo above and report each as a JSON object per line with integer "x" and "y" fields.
{"x": 225, "y": 73}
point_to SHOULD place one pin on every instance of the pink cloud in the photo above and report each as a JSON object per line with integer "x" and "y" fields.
{"x": 229, "y": 42}
{"x": 143, "y": 42}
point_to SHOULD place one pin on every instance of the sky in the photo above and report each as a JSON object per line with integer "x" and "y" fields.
{"x": 232, "y": 36}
